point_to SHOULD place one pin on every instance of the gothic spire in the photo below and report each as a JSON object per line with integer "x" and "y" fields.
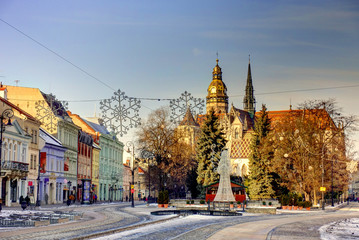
{"x": 249, "y": 102}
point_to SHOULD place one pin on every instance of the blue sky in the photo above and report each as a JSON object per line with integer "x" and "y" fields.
{"x": 159, "y": 49}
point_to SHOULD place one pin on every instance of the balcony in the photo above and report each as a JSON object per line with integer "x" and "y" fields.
{"x": 15, "y": 166}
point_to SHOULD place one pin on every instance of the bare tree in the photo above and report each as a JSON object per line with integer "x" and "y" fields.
{"x": 310, "y": 148}
{"x": 173, "y": 158}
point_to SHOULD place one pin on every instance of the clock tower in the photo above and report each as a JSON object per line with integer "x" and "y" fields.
{"x": 217, "y": 98}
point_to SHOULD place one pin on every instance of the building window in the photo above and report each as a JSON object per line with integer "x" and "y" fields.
{"x": 34, "y": 164}
{"x": 23, "y": 155}
{"x": 236, "y": 134}
{"x": 31, "y": 159}
{"x": 10, "y": 151}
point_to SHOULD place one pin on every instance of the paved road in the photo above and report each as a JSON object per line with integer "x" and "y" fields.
{"x": 112, "y": 217}
{"x": 96, "y": 218}
{"x": 290, "y": 227}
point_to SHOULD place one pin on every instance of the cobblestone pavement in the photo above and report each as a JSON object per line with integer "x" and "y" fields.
{"x": 305, "y": 226}
{"x": 309, "y": 228}
{"x": 109, "y": 217}
{"x": 96, "y": 218}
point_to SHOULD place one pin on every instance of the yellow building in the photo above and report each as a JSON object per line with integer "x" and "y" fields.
{"x": 96, "y": 168}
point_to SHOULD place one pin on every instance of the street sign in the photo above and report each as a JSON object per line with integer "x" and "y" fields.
{"x": 322, "y": 189}
{"x": 132, "y": 186}
{"x": 132, "y": 190}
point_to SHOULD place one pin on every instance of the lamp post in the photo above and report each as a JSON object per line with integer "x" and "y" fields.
{"x": 6, "y": 114}
{"x": 130, "y": 144}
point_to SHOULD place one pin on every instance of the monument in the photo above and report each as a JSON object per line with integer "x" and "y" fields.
{"x": 224, "y": 193}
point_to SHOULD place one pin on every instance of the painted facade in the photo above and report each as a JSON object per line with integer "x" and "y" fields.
{"x": 53, "y": 187}
{"x": 84, "y": 163}
{"x": 110, "y": 167}
{"x": 19, "y": 155}
{"x": 96, "y": 149}
{"x": 54, "y": 119}
{"x": 110, "y": 181}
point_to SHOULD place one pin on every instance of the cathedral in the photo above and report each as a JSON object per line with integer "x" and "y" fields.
{"x": 237, "y": 123}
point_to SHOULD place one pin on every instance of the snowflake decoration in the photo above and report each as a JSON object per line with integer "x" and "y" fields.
{"x": 120, "y": 113}
{"x": 179, "y": 106}
{"x": 48, "y": 110}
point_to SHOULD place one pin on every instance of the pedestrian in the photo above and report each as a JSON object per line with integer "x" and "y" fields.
{"x": 95, "y": 197}
{"x": 46, "y": 199}
{"x": 27, "y": 200}
{"x": 126, "y": 198}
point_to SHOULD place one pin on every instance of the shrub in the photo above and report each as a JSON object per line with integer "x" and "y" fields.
{"x": 270, "y": 203}
{"x": 192, "y": 201}
{"x": 165, "y": 197}
{"x": 202, "y": 201}
{"x": 231, "y": 203}
{"x": 300, "y": 204}
{"x": 160, "y": 198}
{"x": 238, "y": 202}
{"x": 264, "y": 203}
{"x": 307, "y": 204}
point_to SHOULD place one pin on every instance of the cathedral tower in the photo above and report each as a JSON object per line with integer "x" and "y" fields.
{"x": 217, "y": 98}
{"x": 249, "y": 102}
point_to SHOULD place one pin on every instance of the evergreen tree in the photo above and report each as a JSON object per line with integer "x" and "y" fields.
{"x": 211, "y": 134}
{"x": 260, "y": 178}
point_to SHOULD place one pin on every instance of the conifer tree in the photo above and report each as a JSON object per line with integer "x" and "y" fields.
{"x": 260, "y": 178}
{"x": 211, "y": 134}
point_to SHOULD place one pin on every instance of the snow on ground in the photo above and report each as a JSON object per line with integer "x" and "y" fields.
{"x": 343, "y": 229}
{"x": 167, "y": 225}
{"x": 7, "y": 213}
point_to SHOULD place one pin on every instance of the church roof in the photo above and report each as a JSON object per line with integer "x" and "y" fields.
{"x": 244, "y": 117}
{"x": 188, "y": 119}
{"x": 217, "y": 88}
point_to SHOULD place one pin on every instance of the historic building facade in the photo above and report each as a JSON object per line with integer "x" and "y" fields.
{"x": 54, "y": 120}
{"x": 237, "y": 124}
{"x": 53, "y": 187}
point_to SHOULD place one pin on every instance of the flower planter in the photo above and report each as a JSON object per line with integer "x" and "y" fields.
{"x": 284, "y": 207}
{"x": 165, "y": 205}
{"x": 308, "y": 208}
{"x": 289, "y": 207}
{"x": 230, "y": 205}
{"x": 160, "y": 205}
{"x": 300, "y": 208}
{"x": 239, "y": 206}
{"x": 295, "y": 208}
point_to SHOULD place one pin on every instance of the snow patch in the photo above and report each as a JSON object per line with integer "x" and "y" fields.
{"x": 343, "y": 229}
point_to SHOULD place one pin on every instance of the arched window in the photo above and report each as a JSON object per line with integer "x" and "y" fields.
{"x": 244, "y": 170}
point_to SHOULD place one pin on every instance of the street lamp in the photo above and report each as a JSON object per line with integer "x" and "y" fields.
{"x": 6, "y": 114}
{"x": 130, "y": 144}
